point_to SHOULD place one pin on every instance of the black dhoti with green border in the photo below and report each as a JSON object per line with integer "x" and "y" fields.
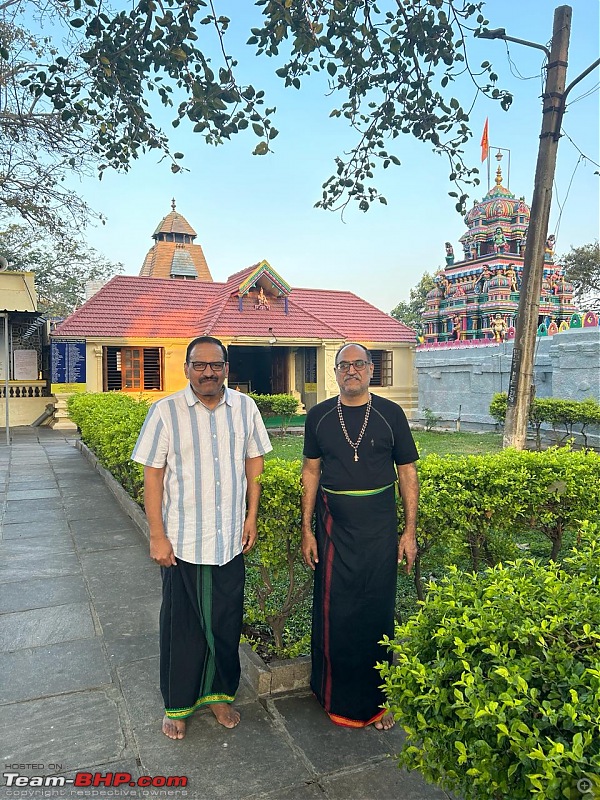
{"x": 354, "y": 601}
{"x": 200, "y": 628}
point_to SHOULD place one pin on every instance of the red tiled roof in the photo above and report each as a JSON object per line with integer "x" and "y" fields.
{"x": 141, "y": 307}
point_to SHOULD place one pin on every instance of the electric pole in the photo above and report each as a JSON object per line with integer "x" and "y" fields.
{"x": 521, "y": 373}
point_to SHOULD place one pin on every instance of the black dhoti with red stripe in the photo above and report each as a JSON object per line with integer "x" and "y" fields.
{"x": 354, "y": 602}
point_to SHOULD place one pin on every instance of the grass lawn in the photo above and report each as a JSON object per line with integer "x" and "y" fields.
{"x": 460, "y": 444}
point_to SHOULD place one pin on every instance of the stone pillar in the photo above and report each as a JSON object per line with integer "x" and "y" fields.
{"x": 62, "y": 421}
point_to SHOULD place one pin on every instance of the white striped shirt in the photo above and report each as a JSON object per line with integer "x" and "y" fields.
{"x": 204, "y": 452}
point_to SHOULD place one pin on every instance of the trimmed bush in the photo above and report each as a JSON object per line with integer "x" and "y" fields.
{"x": 284, "y": 583}
{"x": 497, "y": 681}
{"x": 109, "y": 424}
{"x": 277, "y": 405}
{"x": 477, "y": 510}
{"x": 565, "y": 414}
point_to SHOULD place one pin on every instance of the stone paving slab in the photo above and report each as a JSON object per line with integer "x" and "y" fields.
{"x": 41, "y": 593}
{"x": 82, "y": 486}
{"x": 92, "y": 508}
{"x": 308, "y": 790}
{"x": 225, "y": 764}
{"x": 127, "y": 648}
{"x": 380, "y": 780}
{"x": 90, "y": 542}
{"x": 79, "y": 527}
{"x": 36, "y": 546}
{"x": 43, "y": 626}
{"x": 146, "y": 707}
{"x": 56, "y": 669}
{"x": 331, "y": 747}
{"x": 71, "y": 731}
{"x": 47, "y": 526}
{"x": 42, "y": 482}
{"x": 24, "y": 511}
{"x": 129, "y": 615}
{"x": 22, "y": 568}
{"x": 31, "y": 495}
{"x": 134, "y": 556}
{"x": 137, "y": 581}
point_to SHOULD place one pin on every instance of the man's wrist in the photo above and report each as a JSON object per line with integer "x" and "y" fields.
{"x": 410, "y": 533}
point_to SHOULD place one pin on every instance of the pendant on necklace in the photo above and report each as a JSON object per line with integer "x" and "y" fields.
{"x": 355, "y": 456}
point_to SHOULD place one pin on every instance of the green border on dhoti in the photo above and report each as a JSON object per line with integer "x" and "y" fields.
{"x": 180, "y": 713}
{"x": 359, "y": 492}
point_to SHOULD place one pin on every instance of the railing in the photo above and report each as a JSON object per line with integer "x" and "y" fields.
{"x": 24, "y": 389}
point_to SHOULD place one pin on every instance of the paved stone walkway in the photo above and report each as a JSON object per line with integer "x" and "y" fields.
{"x": 79, "y": 602}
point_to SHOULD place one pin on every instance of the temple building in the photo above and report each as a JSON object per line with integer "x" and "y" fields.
{"x": 132, "y": 334}
{"x": 476, "y": 299}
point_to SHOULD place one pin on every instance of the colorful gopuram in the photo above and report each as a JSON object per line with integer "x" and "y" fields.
{"x": 476, "y": 299}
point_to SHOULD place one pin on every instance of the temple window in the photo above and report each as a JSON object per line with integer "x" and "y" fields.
{"x": 129, "y": 369}
{"x": 382, "y": 368}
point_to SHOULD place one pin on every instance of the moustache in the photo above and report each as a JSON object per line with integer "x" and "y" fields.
{"x": 206, "y": 380}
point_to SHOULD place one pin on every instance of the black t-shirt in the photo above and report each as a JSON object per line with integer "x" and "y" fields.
{"x": 387, "y": 441}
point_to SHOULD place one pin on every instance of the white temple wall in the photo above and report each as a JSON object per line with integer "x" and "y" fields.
{"x": 461, "y": 381}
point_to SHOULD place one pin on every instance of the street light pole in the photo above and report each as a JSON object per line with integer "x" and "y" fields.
{"x": 521, "y": 374}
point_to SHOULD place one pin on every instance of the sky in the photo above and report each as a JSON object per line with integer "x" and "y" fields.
{"x": 246, "y": 208}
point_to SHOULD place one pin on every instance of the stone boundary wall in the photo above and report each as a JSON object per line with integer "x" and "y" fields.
{"x": 463, "y": 380}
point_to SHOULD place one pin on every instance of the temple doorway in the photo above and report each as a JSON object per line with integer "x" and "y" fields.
{"x": 260, "y": 369}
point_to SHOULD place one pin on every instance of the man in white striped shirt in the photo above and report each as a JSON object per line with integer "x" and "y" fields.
{"x": 202, "y": 449}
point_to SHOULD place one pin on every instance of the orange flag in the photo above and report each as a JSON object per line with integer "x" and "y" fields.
{"x": 485, "y": 142}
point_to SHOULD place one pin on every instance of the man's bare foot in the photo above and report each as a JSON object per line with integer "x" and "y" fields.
{"x": 386, "y": 722}
{"x": 173, "y": 728}
{"x": 225, "y": 715}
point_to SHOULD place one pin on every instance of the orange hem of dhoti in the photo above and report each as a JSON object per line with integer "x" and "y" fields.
{"x": 355, "y": 723}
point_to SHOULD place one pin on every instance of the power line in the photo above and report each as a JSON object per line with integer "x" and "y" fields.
{"x": 515, "y": 70}
{"x": 562, "y": 207}
{"x": 587, "y": 158}
{"x": 585, "y": 94}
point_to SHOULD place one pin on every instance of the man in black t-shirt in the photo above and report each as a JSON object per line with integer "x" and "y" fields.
{"x": 356, "y": 446}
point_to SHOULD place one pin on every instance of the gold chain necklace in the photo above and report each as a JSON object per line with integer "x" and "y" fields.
{"x": 354, "y": 445}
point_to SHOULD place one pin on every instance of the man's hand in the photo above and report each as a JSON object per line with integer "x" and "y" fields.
{"x": 407, "y": 548}
{"x": 161, "y": 551}
{"x": 310, "y": 552}
{"x": 249, "y": 534}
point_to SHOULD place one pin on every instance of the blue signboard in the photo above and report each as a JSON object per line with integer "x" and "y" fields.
{"x": 67, "y": 361}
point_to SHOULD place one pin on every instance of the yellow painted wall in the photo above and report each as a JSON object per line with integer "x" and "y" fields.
{"x": 17, "y": 291}
{"x": 404, "y": 390}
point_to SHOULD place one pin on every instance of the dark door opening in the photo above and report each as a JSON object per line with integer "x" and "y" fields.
{"x": 262, "y": 370}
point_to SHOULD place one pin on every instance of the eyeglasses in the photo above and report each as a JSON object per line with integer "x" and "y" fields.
{"x": 358, "y": 365}
{"x": 200, "y": 366}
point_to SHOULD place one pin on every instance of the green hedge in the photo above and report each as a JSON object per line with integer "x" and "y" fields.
{"x": 281, "y": 583}
{"x": 497, "y": 680}
{"x": 474, "y": 510}
{"x": 562, "y": 415}
{"x": 283, "y": 406}
{"x": 477, "y": 510}
{"x": 110, "y": 423}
